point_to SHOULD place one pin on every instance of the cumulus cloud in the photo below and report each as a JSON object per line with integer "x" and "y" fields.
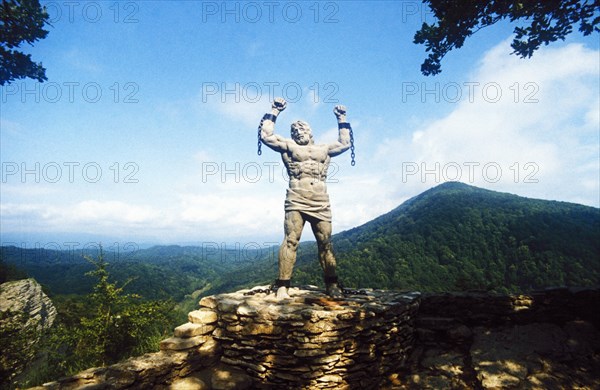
{"x": 90, "y": 216}
{"x": 111, "y": 212}
{"x": 528, "y": 127}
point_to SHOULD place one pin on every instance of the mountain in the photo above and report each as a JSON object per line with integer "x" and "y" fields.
{"x": 456, "y": 236}
{"x": 459, "y": 237}
{"x": 451, "y": 237}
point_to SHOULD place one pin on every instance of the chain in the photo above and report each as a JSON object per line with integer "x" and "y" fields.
{"x": 259, "y": 143}
{"x": 267, "y": 291}
{"x": 352, "y": 154}
{"x": 349, "y": 291}
{"x": 258, "y": 291}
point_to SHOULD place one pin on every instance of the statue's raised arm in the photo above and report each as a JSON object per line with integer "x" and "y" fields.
{"x": 343, "y": 142}
{"x": 267, "y": 127}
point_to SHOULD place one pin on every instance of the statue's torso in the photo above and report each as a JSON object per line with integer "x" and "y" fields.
{"x": 307, "y": 166}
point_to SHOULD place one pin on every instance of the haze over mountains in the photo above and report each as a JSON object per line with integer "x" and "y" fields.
{"x": 451, "y": 237}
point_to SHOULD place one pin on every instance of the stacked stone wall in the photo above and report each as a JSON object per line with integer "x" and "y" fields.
{"x": 383, "y": 339}
{"x": 312, "y": 341}
{"x": 545, "y": 339}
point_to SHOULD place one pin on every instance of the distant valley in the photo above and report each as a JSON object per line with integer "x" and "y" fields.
{"x": 452, "y": 237}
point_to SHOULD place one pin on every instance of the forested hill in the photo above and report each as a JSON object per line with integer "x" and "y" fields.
{"x": 451, "y": 237}
{"x": 456, "y": 237}
{"x": 158, "y": 272}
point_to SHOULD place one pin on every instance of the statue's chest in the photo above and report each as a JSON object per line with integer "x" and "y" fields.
{"x": 310, "y": 153}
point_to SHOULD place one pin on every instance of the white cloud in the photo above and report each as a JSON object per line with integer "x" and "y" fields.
{"x": 91, "y": 216}
{"x": 27, "y": 191}
{"x": 243, "y": 111}
{"x": 359, "y": 198}
{"x": 112, "y": 212}
{"x": 545, "y": 140}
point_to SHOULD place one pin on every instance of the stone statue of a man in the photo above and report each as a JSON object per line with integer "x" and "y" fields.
{"x": 307, "y": 199}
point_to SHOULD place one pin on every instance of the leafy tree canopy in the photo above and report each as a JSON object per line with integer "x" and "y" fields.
{"x": 114, "y": 326}
{"x": 20, "y": 21}
{"x": 543, "y": 22}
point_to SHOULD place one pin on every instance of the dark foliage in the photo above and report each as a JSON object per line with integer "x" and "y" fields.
{"x": 540, "y": 23}
{"x": 20, "y": 21}
{"x": 458, "y": 237}
{"x": 10, "y": 272}
{"x": 103, "y": 327}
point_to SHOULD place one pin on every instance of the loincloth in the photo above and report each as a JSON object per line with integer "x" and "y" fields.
{"x": 311, "y": 203}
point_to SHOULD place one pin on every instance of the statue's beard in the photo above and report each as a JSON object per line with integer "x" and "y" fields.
{"x": 302, "y": 140}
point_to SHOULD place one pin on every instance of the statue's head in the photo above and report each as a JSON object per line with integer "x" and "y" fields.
{"x": 301, "y": 133}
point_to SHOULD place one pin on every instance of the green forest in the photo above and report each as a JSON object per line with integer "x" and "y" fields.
{"x": 457, "y": 237}
{"x": 453, "y": 237}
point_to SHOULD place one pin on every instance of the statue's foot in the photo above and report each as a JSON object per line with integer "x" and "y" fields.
{"x": 282, "y": 293}
{"x": 334, "y": 291}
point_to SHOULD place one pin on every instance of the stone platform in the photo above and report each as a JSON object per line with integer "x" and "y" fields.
{"x": 475, "y": 340}
{"x": 307, "y": 341}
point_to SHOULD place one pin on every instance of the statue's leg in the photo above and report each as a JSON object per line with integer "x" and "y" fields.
{"x": 322, "y": 231}
{"x": 293, "y": 225}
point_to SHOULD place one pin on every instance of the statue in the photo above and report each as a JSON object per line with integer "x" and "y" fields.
{"x": 307, "y": 199}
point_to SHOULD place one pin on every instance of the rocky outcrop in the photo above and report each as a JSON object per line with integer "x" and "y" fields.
{"x": 26, "y": 296}
{"x": 388, "y": 340}
{"x": 543, "y": 340}
{"x": 26, "y": 312}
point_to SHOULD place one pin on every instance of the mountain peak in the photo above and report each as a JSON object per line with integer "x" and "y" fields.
{"x": 458, "y": 236}
{"x": 453, "y": 187}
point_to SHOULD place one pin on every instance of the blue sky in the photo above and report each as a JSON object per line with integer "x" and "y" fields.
{"x": 146, "y": 128}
